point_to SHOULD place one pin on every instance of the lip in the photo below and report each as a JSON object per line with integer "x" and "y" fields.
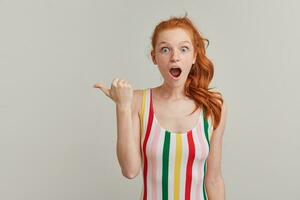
{"x": 175, "y": 66}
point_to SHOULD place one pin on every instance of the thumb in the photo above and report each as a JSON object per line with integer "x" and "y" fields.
{"x": 104, "y": 89}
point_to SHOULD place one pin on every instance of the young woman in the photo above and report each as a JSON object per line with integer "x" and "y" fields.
{"x": 173, "y": 132}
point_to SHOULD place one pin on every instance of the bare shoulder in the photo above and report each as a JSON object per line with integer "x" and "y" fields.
{"x": 222, "y": 124}
{"x": 224, "y": 110}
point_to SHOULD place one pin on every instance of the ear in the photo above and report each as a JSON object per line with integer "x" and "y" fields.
{"x": 153, "y": 57}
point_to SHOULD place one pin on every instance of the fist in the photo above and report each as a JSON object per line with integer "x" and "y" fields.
{"x": 121, "y": 91}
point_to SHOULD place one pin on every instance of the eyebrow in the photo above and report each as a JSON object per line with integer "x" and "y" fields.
{"x": 163, "y": 42}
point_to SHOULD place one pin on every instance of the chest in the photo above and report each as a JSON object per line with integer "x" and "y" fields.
{"x": 176, "y": 116}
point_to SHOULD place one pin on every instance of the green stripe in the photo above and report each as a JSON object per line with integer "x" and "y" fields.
{"x": 205, "y": 165}
{"x": 204, "y": 188}
{"x": 206, "y": 129}
{"x": 165, "y": 171}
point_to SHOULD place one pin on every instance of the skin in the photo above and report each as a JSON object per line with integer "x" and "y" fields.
{"x": 171, "y": 108}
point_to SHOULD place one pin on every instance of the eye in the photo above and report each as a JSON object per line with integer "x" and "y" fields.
{"x": 184, "y": 49}
{"x": 165, "y": 49}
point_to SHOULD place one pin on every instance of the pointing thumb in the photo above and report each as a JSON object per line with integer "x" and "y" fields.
{"x": 104, "y": 89}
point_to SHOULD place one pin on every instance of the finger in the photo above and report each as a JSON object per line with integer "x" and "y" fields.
{"x": 127, "y": 84}
{"x": 103, "y": 88}
{"x": 121, "y": 82}
{"x": 114, "y": 83}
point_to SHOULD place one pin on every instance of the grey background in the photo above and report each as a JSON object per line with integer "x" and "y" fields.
{"x": 58, "y": 134}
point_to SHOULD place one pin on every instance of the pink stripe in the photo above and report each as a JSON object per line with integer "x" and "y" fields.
{"x": 153, "y": 158}
{"x": 199, "y": 190}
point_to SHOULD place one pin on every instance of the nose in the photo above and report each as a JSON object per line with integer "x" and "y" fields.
{"x": 175, "y": 56}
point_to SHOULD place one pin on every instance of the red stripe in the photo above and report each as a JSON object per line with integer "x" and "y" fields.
{"x": 149, "y": 125}
{"x": 189, "y": 166}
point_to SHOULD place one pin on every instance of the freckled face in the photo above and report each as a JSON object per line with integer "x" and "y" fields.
{"x": 174, "y": 49}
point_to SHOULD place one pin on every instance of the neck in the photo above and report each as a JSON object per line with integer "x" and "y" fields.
{"x": 172, "y": 92}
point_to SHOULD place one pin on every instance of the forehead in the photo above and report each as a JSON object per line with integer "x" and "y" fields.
{"x": 174, "y": 36}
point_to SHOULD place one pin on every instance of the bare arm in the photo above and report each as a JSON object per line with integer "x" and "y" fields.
{"x": 128, "y": 140}
{"x": 214, "y": 180}
{"x": 128, "y": 126}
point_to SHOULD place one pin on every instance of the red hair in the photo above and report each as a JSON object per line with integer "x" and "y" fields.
{"x": 201, "y": 74}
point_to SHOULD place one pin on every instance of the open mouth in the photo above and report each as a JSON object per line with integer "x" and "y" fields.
{"x": 175, "y": 72}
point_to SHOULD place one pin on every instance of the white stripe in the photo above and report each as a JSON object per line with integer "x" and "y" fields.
{"x": 159, "y": 164}
{"x": 205, "y": 143}
{"x": 171, "y": 166}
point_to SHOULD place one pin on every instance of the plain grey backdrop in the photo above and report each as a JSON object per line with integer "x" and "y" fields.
{"x": 58, "y": 133}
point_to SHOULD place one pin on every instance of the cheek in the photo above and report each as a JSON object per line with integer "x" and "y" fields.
{"x": 162, "y": 60}
{"x": 162, "y": 71}
{"x": 188, "y": 61}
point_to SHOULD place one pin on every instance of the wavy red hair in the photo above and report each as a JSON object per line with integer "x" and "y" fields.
{"x": 202, "y": 72}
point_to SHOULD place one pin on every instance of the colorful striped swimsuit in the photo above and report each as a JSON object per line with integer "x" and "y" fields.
{"x": 173, "y": 164}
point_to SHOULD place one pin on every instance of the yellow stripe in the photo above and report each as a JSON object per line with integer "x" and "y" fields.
{"x": 177, "y": 167}
{"x": 143, "y": 113}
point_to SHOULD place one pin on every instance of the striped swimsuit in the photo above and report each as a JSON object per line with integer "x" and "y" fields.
{"x": 173, "y": 164}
